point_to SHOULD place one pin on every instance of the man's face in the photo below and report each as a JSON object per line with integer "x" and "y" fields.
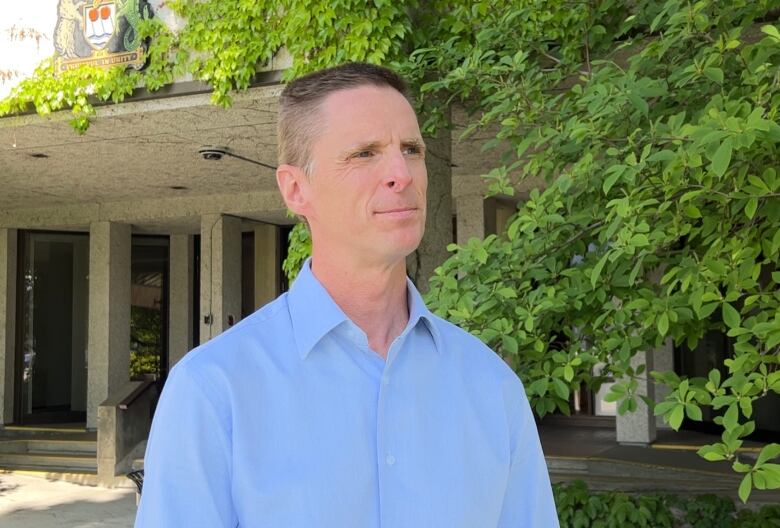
{"x": 366, "y": 195}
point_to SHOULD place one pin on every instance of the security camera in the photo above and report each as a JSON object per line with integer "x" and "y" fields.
{"x": 212, "y": 153}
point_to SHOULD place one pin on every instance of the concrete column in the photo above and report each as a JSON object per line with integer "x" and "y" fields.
{"x": 220, "y": 273}
{"x": 663, "y": 361}
{"x": 180, "y": 298}
{"x": 438, "y": 224}
{"x": 267, "y": 269}
{"x": 638, "y": 428}
{"x": 109, "y": 313}
{"x": 470, "y": 213}
{"x": 8, "y": 248}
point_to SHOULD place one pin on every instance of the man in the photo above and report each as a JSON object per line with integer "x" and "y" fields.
{"x": 345, "y": 402}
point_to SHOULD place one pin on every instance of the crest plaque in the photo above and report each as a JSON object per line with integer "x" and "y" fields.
{"x": 99, "y": 33}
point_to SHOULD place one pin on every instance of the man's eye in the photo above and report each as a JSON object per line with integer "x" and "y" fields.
{"x": 412, "y": 150}
{"x": 363, "y": 154}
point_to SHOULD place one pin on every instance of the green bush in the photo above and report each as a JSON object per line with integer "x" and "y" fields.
{"x": 580, "y": 508}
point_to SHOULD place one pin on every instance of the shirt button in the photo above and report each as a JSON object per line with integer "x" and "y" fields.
{"x": 390, "y": 460}
{"x": 385, "y": 380}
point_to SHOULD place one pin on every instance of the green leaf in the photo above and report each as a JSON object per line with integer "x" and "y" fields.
{"x": 722, "y": 157}
{"x": 730, "y": 316}
{"x": 568, "y": 373}
{"x": 745, "y": 487}
{"x": 596, "y": 273}
{"x": 639, "y": 103}
{"x": 769, "y": 452}
{"x": 714, "y": 74}
{"x": 676, "y": 417}
{"x": 692, "y": 211}
{"x": 663, "y": 324}
{"x": 712, "y": 453}
{"x": 750, "y": 208}
{"x": 693, "y": 412}
{"x": 614, "y": 173}
{"x": 509, "y": 344}
{"x": 771, "y": 31}
{"x": 560, "y": 388}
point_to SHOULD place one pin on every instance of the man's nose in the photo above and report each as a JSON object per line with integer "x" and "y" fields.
{"x": 397, "y": 174}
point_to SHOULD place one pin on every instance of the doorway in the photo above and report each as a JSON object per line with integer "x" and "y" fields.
{"x": 149, "y": 274}
{"x": 52, "y": 316}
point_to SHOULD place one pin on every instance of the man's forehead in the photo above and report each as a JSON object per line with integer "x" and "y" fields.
{"x": 368, "y": 108}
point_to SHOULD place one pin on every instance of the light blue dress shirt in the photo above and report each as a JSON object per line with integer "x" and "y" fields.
{"x": 290, "y": 420}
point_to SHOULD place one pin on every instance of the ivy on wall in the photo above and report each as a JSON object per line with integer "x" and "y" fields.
{"x": 224, "y": 44}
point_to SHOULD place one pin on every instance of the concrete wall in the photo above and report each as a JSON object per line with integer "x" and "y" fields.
{"x": 220, "y": 273}
{"x": 638, "y": 428}
{"x": 109, "y": 313}
{"x": 180, "y": 298}
{"x": 8, "y": 255}
{"x": 180, "y": 214}
{"x": 267, "y": 273}
{"x": 80, "y": 333}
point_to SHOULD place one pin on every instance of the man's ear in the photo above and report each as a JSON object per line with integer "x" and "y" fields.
{"x": 292, "y": 182}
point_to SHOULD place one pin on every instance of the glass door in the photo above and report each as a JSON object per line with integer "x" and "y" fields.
{"x": 52, "y": 328}
{"x": 149, "y": 308}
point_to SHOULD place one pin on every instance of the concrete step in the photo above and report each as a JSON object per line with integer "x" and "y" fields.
{"x": 48, "y": 450}
{"x": 76, "y": 463}
{"x": 62, "y": 447}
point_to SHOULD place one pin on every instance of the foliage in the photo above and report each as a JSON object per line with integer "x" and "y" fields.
{"x": 145, "y": 341}
{"x": 580, "y": 508}
{"x": 659, "y": 218}
{"x": 298, "y": 251}
{"x": 653, "y": 125}
{"x": 224, "y": 43}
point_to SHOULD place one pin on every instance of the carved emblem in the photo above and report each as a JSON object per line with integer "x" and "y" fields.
{"x": 99, "y": 23}
{"x": 100, "y": 33}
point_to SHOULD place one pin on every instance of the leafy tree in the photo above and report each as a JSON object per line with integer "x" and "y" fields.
{"x": 654, "y": 125}
{"x": 660, "y": 215}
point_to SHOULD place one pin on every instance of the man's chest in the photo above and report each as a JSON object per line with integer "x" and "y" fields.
{"x": 349, "y": 449}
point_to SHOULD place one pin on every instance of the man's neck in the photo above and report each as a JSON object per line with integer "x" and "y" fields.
{"x": 373, "y": 297}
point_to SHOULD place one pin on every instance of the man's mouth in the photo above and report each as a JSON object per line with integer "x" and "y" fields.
{"x": 397, "y": 212}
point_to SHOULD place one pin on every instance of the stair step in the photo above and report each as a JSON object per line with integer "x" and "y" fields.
{"x": 75, "y": 447}
{"x": 63, "y": 446}
{"x": 49, "y": 461}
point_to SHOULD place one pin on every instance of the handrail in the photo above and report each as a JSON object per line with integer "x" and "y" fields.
{"x": 137, "y": 392}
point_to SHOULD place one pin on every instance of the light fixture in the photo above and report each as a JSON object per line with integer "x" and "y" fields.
{"x": 216, "y": 153}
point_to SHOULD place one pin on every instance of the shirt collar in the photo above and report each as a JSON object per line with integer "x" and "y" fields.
{"x": 314, "y": 313}
{"x": 418, "y": 310}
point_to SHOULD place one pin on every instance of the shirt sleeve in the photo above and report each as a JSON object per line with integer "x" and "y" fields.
{"x": 528, "y": 500}
{"x": 188, "y": 462}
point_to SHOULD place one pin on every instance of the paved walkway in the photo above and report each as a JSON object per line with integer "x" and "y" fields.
{"x": 586, "y": 453}
{"x": 36, "y": 502}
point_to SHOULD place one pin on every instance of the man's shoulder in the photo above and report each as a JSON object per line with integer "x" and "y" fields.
{"x": 250, "y": 336}
{"x": 468, "y": 349}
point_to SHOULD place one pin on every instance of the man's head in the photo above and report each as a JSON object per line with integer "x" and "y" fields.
{"x": 352, "y": 162}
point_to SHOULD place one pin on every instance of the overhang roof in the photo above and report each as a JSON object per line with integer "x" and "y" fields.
{"x": 139, "y": 150}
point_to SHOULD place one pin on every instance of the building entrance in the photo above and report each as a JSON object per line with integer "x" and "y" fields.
{"x": 53, "y": 294}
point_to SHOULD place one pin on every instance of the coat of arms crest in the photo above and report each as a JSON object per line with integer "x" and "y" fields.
{"x": 99, "y": 33}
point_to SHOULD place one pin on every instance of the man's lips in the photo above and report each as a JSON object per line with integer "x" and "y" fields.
{"x": 397, "y": 212}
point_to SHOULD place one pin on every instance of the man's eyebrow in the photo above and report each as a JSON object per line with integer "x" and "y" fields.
{"x": 413, "y": 142}
{"x": 366, "y": 145}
